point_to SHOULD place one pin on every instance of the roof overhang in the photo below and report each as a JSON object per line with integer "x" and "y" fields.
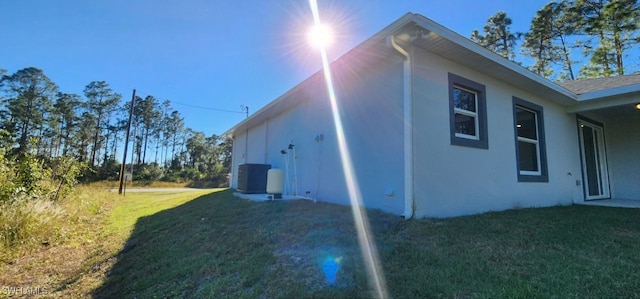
{"x": 615, "y": 101}
{"x": 441, "y": 41}
{"x": 453, "y": 46}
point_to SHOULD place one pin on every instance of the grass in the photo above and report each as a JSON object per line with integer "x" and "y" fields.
{"x": 137, "y": 184}
{"x": 68, "y": 246}
{"x": 220, "y": 246}
{"x": 155, "y": 184}
{"x": 197, "y": 245}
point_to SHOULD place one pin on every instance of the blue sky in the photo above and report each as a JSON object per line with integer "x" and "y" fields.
{"x": 211, "y": 53}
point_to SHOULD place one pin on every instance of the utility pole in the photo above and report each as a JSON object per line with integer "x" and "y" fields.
{"x": 245, "y": 109}
{"x": 126, "y": 142}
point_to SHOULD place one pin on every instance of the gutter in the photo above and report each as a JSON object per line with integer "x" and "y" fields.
{"x": 409, "y": 202}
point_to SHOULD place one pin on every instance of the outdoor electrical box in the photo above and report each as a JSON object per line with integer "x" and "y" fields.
{"x": 252, "y": 178}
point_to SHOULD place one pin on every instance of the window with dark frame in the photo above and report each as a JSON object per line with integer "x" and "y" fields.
{"x": 467, "y": 111}
{"x": 530, "y": 142}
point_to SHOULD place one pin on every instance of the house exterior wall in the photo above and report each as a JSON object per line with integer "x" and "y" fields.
{"x": 238, "y": 156}
{"x": 623, "y": 141}
{"x": 453, "y": 180}
{"x": 449, "y": 179}
{"x": 369, "y": 92}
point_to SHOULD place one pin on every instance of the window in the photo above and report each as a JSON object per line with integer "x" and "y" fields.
{"x": 467, "y": 111}
{"x": 530, "y": 143}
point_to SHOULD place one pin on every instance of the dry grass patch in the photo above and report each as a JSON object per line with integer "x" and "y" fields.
{"x": 68, "y": 248}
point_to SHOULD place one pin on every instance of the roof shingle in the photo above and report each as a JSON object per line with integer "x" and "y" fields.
{"x": 583, "y": 86}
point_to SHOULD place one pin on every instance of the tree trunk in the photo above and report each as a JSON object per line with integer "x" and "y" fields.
{"x": 95, "y": 141}
{"x": 617, "y": 44}
{"x": 567, "y": 58}
{"x": 157, "y": 147}
{"x": 106, "y": 150}
{"x": 146, "y": 138}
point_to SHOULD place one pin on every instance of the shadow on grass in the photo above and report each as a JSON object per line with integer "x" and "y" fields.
{"x": 218, "y": 246}
{"x": 221, "y": 246}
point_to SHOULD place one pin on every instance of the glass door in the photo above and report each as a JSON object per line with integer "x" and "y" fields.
{"x": 594, "y": 161}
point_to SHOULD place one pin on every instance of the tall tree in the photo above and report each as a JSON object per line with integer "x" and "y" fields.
{"x": 225, "y": 149}
{"x": 101, "y": 102}
{"x": 196, "y": 148}
{"x": 547, "y": 40}
{"x": 174, "y": 129}
{"x": 497, "y": 36}
{"x": 150, "y": 116}
{"x": 83, "y": 137}
{"x": 30, "y": 92}
{"x": 166, "y": 139}
{"x": 623, "y": 18}
{"x": 611, "y": 28}
{"x": 538, "y": 43}
{"x": 65, "y": 107}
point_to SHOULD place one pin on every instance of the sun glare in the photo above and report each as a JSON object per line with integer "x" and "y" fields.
{"x": 365, "y": 237}
{"x": 320, "y": 36}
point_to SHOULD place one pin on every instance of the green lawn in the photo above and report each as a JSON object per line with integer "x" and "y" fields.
{"x": 219, "y": 246}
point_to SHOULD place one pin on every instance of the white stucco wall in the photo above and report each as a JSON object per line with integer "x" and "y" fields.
{"x": 238, "y": 156}
{"x": 369, "y": 92}
{"x": 449, "y": 180}
{"x": 453, "y": 180}
{"x": 623, "y": 149}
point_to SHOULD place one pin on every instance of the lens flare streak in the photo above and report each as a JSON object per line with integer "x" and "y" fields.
{"x": 365, "y": 237}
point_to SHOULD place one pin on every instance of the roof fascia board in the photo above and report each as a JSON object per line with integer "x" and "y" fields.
{"x": 609, "y": 92}
{"x": 601, "y": 103}
{"x": 446, "y": 33}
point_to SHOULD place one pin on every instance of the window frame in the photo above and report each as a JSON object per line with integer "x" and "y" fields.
{"x": 542, "y": 174}
{"x": 480, "y": 139}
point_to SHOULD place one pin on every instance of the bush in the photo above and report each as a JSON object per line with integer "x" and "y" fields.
{"x": 65, "y": 172}
{"x": 148, "y": 173}
{"x": 28, "y": 177}
{"x": 30, "y": 189}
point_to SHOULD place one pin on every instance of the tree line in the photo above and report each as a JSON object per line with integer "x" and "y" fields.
{"x": 37, "y": 119}
{"x": 563, "y": 32}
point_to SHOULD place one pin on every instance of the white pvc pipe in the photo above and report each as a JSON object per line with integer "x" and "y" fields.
{"x": 295, "y": 170}
{"x": 408, "y": 130}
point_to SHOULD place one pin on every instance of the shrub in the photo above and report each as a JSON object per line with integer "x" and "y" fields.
{"x": 148, "y": 173}
{"x": 30, "y": 189}
{"x": 65, "y": 172}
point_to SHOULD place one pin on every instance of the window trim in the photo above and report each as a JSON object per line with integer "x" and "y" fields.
{"x": 481, "y": 139}
{"x": 542, "y": 174}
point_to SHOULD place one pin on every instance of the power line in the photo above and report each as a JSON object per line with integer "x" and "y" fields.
{"x": 200, "y": 107}
{"x": 207, "y": 108}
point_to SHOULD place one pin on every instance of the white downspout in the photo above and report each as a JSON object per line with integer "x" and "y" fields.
{"x": 233, "y": 160}
{"x": 408, "y": 129}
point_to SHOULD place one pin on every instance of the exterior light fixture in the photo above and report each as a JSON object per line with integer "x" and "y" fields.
{"x": 638, "y": 106}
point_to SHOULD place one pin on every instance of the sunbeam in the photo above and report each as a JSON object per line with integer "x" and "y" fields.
{"x": 365, "y": 237}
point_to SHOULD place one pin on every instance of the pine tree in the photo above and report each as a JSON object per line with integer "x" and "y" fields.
{"x": 611, "y": 28}
{"x": 30, "y": 92}
{"x": 101, "y": 102}
{"x": 497, "y": 36}
{"x": 65, "y": 109}
{"x": 547, "y": 40}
